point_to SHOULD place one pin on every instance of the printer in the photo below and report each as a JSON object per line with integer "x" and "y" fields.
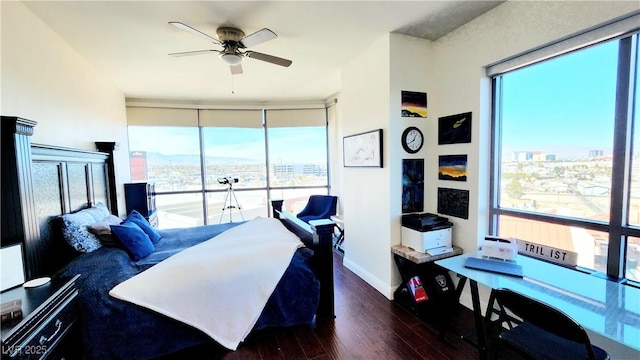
{"x": 427, "y": 233}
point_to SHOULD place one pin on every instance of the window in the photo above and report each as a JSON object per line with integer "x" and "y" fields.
{"x": 565, "y": 171}
{"x": 210, "y": 166}
{"x": 297, "y": 155}
{"x": 169, "y": 156}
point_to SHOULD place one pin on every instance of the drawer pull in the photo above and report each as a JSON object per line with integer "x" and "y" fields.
{"x": 44, "y": 339}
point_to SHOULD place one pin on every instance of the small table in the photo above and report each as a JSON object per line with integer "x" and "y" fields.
{"x": 436, "y": 282}
{"x": 340, "y": 226}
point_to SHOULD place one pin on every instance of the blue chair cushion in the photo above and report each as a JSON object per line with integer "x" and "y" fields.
{"x": 319, "y": 207}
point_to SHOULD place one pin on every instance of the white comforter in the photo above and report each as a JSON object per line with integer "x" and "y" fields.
{"x": 219, "y": 286}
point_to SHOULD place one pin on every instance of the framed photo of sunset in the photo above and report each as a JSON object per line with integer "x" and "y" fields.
{"x": 414, "y": 104}
{"x": 452, "y": 167}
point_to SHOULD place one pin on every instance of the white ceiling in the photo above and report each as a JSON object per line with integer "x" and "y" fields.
{"x": 130, "y": 42}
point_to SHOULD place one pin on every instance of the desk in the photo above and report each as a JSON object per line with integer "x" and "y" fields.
{"x": 601, "y": 306}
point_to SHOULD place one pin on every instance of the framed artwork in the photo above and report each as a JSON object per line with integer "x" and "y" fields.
{"x": 453, "y": 202}
{"x": 454, "y": 129}
{"x": 412, "y": 185}
{"x": 414, "y": 104}
{"x": 452, "y": 167}
{"x": 363, "y": 150}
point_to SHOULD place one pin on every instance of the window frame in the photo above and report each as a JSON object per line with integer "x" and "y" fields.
{"x": 618, "y": 226}
{"x": 205, "y": 190}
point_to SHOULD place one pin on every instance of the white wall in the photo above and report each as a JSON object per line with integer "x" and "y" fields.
{"x": 411, "y": 70}
{"x": 44, "y": 79}
{"x": 370, "y": 99}
{"x": 364, "y": 106}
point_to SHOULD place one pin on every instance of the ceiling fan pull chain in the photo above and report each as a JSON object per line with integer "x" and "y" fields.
{"x": 232, "y": 90}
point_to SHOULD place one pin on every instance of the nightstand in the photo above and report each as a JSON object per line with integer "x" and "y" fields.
{"x": 47, "y": 328}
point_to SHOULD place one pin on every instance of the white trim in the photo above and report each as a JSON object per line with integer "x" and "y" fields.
{"x": 320, "y": 104}
{"x": 376, "y": 283}
{"x": 614, "y": 29}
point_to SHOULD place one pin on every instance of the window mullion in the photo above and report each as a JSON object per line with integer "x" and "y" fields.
{"x": 203, "y": 175}
{"x": 621, "y": 163}
{"x": 496, "y": 157}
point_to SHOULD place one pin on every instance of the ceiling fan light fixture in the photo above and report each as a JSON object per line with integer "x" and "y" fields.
{"x": 231, "y": 59}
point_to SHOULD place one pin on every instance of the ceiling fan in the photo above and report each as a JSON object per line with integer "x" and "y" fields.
{"x": 233, "y": 41}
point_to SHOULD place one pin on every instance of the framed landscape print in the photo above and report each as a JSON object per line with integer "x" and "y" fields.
{"x": 363, "y": 150}
{"x": 454, "y": 129}
{"x": 452, "y": 167}
{"x": 414, "y": 104}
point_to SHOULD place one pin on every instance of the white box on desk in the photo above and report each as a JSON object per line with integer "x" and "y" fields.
{"x": 501, "y": 248}
{"x": 422, "y": 241}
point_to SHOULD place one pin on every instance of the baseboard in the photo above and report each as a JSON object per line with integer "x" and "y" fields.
{"x": 380, "y": 286}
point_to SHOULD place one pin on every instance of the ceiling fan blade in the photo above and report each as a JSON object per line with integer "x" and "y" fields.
{"x": 196, "y": 52}
{"x": 196, "y": 32}
{"x": 258, "y": 37}
{"x": 268, "y": 58}
{"x": 236, "y": 69}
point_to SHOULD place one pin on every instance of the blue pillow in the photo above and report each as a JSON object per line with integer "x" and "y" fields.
{"x": 133, "y": 239}
{"x": 139, "y": 220}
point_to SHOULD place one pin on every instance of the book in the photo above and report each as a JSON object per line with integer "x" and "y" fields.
{"x": 11, "y": 310}
{"x": 417, "y": 290}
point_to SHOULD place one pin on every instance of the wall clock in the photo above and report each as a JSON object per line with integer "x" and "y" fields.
{"x": 412, "y": 139}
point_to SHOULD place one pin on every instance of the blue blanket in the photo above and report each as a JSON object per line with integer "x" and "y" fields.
{"x": 115, "y": 329}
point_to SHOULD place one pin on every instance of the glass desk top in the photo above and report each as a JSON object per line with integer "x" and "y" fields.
{"x": 600, "y": 305}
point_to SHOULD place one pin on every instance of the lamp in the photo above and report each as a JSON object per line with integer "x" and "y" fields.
{"x": 231, "y": 59}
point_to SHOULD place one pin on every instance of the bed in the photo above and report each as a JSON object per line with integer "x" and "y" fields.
{"x": 52, "y": 182}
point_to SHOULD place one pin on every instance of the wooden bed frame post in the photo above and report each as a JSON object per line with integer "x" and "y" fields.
{"x": 276, "y": 208}
{"x": 110, "y": 147}
{"x": 19, "y": 219}
{"x": 323, "y": 233}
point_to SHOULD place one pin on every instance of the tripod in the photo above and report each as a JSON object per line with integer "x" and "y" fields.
{"x": 228, "y": 199}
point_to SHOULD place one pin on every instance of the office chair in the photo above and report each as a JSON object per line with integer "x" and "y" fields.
{"x": 543, "y": 332}
{"x": 319, "y": 207}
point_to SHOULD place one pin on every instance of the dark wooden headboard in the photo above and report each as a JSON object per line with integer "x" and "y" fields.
{"x": 41, "y": 182}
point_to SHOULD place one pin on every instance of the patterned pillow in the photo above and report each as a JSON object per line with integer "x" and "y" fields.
{"x": 75, "y": 231}
{"x": 99, "y": 211}
{"x": 102, "y": 230}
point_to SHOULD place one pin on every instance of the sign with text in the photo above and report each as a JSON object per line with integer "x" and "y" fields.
{"x": 559, "y": 256}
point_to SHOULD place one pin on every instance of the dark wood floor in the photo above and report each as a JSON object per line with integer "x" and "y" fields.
{"x": 367, "y": 326}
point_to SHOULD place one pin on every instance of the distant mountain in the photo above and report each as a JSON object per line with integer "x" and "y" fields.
{"x": 158, "y": 159}
{"x": 443, "y": 176}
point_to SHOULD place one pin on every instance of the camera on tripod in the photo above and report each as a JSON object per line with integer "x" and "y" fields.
{"x": 227, "y": 180}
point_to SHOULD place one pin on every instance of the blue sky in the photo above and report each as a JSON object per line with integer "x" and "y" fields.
{"x": 542, "y": 111}
{"x": 287, "y": 145}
